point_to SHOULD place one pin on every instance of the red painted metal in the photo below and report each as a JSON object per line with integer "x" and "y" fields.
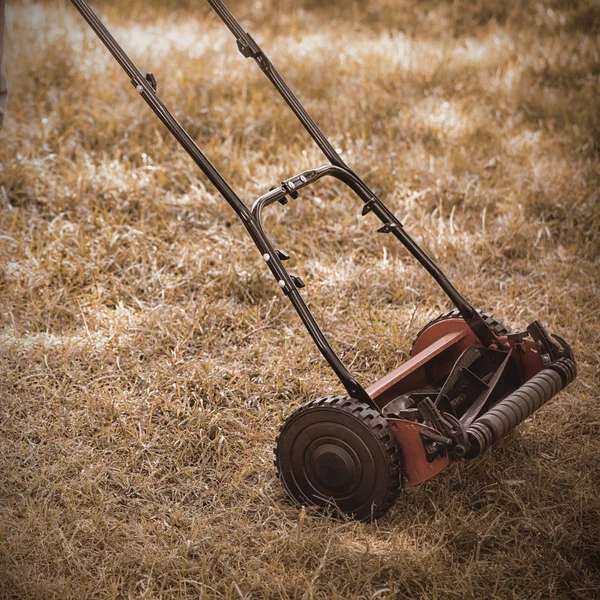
{"x": 527, "y": 352}
{"x": 434, "y": 353}
{"x": 437, "y": 330}
{"x": 529, "y": 355}
{"x": 416, "y": 467}
{"x": 414, "y": 363}
{"x": 432, "y": 357}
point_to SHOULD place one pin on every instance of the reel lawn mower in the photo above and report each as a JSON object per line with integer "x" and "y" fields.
{"x": 468, "y": 382}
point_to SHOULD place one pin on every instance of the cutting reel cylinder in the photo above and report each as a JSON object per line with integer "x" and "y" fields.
{"x": 519, "y": 405}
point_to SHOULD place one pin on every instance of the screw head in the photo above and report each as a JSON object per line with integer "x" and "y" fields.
{"x": 281, "y": 283}
{"x": 266, "y": 257}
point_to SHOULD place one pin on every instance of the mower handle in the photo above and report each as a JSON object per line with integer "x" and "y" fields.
{"x": 146, "y": 87}
{"x": 286, "y": 282}
{"x": 250, "y": 49}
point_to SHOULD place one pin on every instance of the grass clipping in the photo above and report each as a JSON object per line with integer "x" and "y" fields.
{"x": 148, "y": 357}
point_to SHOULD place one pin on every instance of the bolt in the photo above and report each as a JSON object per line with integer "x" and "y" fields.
{"x": 139, "y": 88}
{"x": 266, "y": 257}
{"x": 281, "y": 283}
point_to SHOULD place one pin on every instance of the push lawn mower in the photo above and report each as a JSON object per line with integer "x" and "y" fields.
{"x": 468, "y": 382}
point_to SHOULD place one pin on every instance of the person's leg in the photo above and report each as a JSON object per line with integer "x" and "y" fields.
{"x": 3, "y": 85}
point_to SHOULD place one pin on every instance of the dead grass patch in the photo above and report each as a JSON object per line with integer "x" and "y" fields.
{"x": 148, "y": 359}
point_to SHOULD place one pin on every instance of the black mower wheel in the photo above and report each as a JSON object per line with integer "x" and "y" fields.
{"x": 496, "y": 325}
{"x": 339, "y": 452}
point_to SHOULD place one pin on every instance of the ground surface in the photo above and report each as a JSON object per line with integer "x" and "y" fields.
{"x": 148, "y": 358}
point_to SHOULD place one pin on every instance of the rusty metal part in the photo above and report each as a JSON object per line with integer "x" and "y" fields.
{"x": 479, "y": 392}
{"x": 433, "y": 356}
{"x": 519, "y": 405}
{"x": 440, "y": 345}
{"x": 497, "y": 326}
{"x": 416, "y": 466}
{"x": 529, "y": 358}
{"x": 441, "y": 328}
{"x": 421, "y": 369}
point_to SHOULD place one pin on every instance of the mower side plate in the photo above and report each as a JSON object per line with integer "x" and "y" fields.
{"x": 416, "y": 466}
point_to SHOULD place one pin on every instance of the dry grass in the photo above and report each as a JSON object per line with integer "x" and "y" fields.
{"x": 148, "y": 358}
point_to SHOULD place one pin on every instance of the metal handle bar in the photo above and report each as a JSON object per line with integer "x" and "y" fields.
{"x": 250, "y": 49}
{"x": 146, "y": 86}
{"x": 286, "y": 283}
{"x": 391, "y": 225}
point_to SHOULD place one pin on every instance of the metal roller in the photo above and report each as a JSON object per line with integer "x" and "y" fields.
{"x": 518, "y": 406}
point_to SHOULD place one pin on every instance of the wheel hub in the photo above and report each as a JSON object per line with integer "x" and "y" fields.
{"x": 332, "y": 466}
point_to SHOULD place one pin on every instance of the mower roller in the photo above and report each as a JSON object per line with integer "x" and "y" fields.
{"x": 469, "y": 380}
